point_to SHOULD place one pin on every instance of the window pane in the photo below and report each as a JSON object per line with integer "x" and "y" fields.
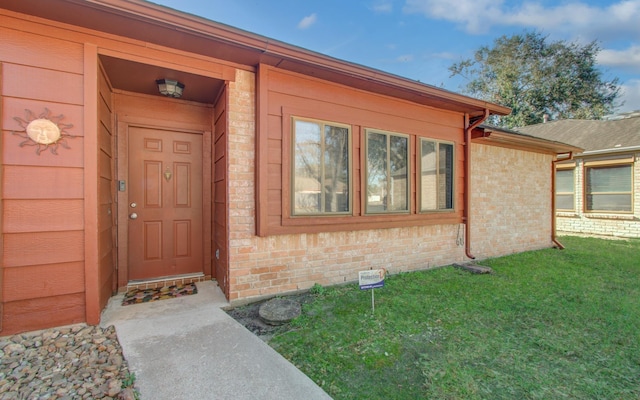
{"x": 609, "y": 179}
{"x": 428, "y": 192}
{"x": 376, "y": 172}
{"x": 336, "y": 169}
{"x": 307, "y": 164}
{"x": 609, "y": 202}
{"x": 399, "y": 173}
{"x": 437, "y": 176}
{"x": 564, "y": 202}
{"x": 445, "y": 177}
{"x": 609, "y": 188}
{"x": 564, "y": 181}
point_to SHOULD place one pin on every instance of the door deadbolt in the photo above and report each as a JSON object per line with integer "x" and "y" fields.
{"x": 133, "y": 205}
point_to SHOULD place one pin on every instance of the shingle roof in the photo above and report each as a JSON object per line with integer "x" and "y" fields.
{"x": 588, "y": 134}
{"x": 498, "y": 135}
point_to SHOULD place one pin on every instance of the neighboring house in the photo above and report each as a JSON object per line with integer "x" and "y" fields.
{"x": 276, "y": 169}
{"x": 598, "y": 191}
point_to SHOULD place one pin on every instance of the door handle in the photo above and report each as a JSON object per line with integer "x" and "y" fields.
{"x": 133, "y": 216}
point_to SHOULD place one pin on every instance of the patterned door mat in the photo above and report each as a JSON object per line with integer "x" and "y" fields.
{"x": 136, "y": 296}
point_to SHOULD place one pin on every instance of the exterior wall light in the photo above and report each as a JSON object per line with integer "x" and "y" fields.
{"x": 170, "y": 88}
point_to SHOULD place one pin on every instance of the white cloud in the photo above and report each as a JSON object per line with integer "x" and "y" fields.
{"x": 478, "y": 16}
{"x": 628, "y": 58}
{"x": 615, "y": 24}
{"x": 630, "y": 95}
{"x": 472, "y": 14}
{"x": 307, "y": 21}
{"x": 382, "y": 7}
{"x": 626, "y": 10}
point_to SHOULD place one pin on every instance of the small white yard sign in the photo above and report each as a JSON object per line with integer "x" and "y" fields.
{"x": 371, "y": 279}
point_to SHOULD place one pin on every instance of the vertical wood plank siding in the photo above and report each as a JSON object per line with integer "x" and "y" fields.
{"x": 91, "y": 186}
{"x": 219, "y": 186}
{"x": 2, "y": 291}
{"x": 106, "y": 192}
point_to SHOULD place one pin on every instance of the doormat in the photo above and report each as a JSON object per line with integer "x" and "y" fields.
{"x": 137, "y": 296}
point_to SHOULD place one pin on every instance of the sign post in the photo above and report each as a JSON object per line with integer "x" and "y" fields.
{"x": 372, "y": 279}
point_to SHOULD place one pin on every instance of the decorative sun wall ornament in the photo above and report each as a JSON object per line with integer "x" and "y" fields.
{"x": 43, "y": 131}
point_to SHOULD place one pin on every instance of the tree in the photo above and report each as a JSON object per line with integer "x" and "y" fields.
{"x": 536, "y": 77}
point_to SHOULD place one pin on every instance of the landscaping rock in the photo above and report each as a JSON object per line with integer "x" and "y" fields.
{"x": 64, "y": 363}
{"x": 474, "y": 268}
{"x": 279, "y": 311}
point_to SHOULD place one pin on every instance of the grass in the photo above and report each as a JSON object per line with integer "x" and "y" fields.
{"x": 547, "y": 324}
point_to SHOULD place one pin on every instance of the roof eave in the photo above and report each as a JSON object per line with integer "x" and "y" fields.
{"x": 242, "y": 47}
{"x": 614, "y": 150}
{"x": 498, "y": 137}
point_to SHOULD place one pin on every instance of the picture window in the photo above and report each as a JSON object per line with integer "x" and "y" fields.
{"x": 321, "y": 178}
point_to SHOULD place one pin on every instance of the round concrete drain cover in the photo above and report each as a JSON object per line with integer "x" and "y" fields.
{"x": 279, "y": 311}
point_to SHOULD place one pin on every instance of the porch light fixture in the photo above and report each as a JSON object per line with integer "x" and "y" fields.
{"x": 170, "y": 87}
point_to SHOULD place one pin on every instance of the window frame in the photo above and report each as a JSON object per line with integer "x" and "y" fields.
{"x": 365, "y": 168}
{"x": 276, "y": 151}
{"x": 572, "y": 168}
{"x": 602, "y": 164}
{"x": 419, "y": 174}
{"x": 292, "y": 174}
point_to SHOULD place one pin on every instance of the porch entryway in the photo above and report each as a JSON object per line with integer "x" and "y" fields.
{"x": 164, "y": 171}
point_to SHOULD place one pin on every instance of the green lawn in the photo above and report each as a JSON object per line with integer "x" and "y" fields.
{"x": 548, "y": 324}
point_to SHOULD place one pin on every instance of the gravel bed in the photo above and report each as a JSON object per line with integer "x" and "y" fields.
{"x": 75, "y": 362}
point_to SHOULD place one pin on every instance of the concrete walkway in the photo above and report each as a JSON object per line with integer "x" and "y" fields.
{"x": 189, "y": 348}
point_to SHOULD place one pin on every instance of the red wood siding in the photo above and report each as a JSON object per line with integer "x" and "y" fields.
{"x": 42, "y": 210}
{"x": 283, "y": 95}
{"x": 43, "y": 281}
{"x": 106, "y": 193}
{"x": 2, "y": 300}
{"x": 26, "y": 215}
{"x": 33, "y": 314}
{"x": 58, "y": 212}
{"x": 219, "y": 185}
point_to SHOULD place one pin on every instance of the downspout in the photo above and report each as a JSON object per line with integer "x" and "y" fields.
{"x": 553, "y": 200}
{"x": 467, "y": 179}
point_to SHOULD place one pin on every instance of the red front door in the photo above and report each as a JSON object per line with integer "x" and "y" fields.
{"x": 165, "y": 235}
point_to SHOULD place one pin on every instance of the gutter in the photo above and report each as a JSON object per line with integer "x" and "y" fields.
{"x": 611, "y": 150}
{"x": 554, "y": 239}
{"x": 467, "y": 179}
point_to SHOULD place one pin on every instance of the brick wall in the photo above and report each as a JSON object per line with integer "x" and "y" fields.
{"x": 511, "y": 201}
{"x": 511, "y": 213}
{"x": 264, "y": 266}
{"x": 285, "y": 263}
{"x": 607, "y": 224}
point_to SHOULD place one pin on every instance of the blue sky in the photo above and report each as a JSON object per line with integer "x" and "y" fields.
{"x": 420, "y": 39}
